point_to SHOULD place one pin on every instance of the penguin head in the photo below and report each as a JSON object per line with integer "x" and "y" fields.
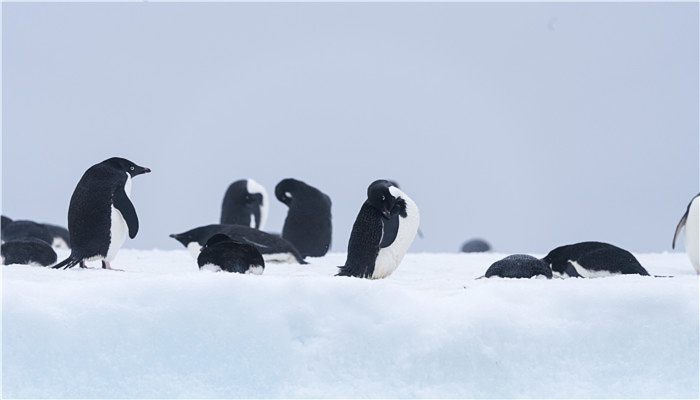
{"x": 218, "y": 238}
{"x": 381, "y": 197}
{"x": 251, "y": 200}
{"x": 127, "y": 166}
{"x": 287, "y": 188}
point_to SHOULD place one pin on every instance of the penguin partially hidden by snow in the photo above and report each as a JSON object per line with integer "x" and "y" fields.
{"x": 371, "y": 253}
{"x": 245, "y": 203}
{"x": 519, "y": 266}
{"x": 592, "y": 260}
{"x": 690, "y": 220}
{"x": 273, "y": 248}
{"x": 28, "y": 251}
{"x": 220, "y": 253}
{"x": 101, "y": 213}
{"x": 308, "y": 224}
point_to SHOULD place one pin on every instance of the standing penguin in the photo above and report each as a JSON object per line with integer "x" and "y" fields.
{"x": 101, "y": 212}
{"x": 371, "y": 254}
{"x": 245, "y": 203}
{"x": 692, "y": 237}
{"x": 221, "y": 253}
{"x": 308, "y": 224}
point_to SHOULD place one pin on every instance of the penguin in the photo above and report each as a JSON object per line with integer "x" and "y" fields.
{"x": 273, "y": 248}
{"x": 60, "y": 236}
{"x": 245, "y": 203}
{"x": 5, "y": 222}
{"x": 371, "y": 254}
{"x": 22, "y": 229}
{"x": 101, "y": 214}
{"x": 220, "y": 253}
{"x": 392, "y": 225}
{"x": 690, "y": 220}
{"x": 519, "y": 266}
{"x": 308, "y": 224}
{"x": 28, "y": 251}
{"x": 476, "y": 246}
{"x": 592, "y": 260}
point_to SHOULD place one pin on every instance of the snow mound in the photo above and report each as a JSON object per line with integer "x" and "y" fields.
{"x": 163, "y": 328}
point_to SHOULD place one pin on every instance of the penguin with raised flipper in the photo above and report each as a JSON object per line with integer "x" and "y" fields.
{"x": 690, "y": 220}
{"x": 221, "y": 253}
{"x": 101, "y": 213}
{"x": 372, "y": 251}
{"x": 245, "y": 203}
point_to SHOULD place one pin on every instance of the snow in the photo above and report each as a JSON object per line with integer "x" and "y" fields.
{"x": 163, "y": 329}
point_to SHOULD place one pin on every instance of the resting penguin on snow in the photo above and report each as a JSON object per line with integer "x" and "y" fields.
{"x": 592, "y": 260}
{"x": 20, "y": 229}
{"x": 690, "y": 220}
{"x": 519, "y": 266}
{"x": 273, "y": 248}
{"x": 245, "y": 203}
{"x": 220, "y": 253}
{"x": 28, "y": 251}
{"x": 308, "y": 224}
{"x": 100, "y": 212}
{"x": 372, "y": 253}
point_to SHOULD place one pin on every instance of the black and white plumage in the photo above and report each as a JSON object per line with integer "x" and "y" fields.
{"x": 29, "y": 251}
{"x": 690, "y": 220}
{"x": 245, "y": 203}
{"x": 60, "y": 236}
{"x": 220, "y": 253}
{"x": 22, "y": 229}
{"x": 101, "y": 213}
{"x": 308, "y": 224}
{"x": 371, "y": 252}
{"x": 273, "y": 248}
{"x": 476, "y": 246}
{"x": 519, "y": 266}
{"x": 592, "y": 260}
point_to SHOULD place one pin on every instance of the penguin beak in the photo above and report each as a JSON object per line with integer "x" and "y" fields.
{"x": 173, "y": 235}
{"x": 146, "y": 170}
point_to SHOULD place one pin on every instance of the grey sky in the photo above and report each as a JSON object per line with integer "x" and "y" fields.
{"x": 531, "y": 125}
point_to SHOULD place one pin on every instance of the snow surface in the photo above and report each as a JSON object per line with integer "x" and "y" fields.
{"x": 163, "y": 328}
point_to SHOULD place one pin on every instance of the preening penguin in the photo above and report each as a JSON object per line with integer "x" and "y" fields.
{"x": 220, "y": 253}
{"x": 28, "y": 251}
{"x": 273, "y": 248}
{"x": 245, "y": 203}
{"x": 101, "y": 213}
{"x": 690, "y": 220}
{"x": 592, "y": 260}
{"x": 371, "y": 252}
{"x": 308, "y": 224}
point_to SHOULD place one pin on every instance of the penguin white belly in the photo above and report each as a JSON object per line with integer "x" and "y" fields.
{"x": 118, "y": 228}
{"x": 254, "y": 187}
{"x": 390, "y": 257}
{"x": 692, "y": 236}
{"x": 587, "y": 273}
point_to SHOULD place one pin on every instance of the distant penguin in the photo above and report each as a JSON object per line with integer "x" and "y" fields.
{"x": 592, "y": 260}
{"x": 28, "y": 251}
{"x": 101, "y": 213}
{"x": 372, "y": 254}
{"x": 220, "y": 253}
{"x": 690, "y": 220}
{"x": 273, "y": 248}
{"x": 60, "y": 236}
{"x": 519, "y": 266}
{"x": 476, "y": 246}
{"x": 308, "y": 224}
{"x": 245, "y": 203}
{"x": 21, "y": 229}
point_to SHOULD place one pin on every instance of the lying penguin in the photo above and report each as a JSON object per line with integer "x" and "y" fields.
{"x": 273, "y": 248}
{"x": 592, "y": 260}
{"x": 28, "y": 251}
{"x": 518, "y": 266}
{"x": 56, "y": 235}
{"x": 476, "y": 246}
{"x": 220, "y": 253}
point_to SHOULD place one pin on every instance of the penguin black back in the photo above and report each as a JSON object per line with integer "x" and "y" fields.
{"x": 308, "y": 224}
{"x": 26, "y": 229}
{"x": 245, "y": 203}
{"x": 221, "y": 252}
{"x": 519, "y": 266}
{"x": 5, "y": 222}
{"x": 476, "y": 246}
{"x": 28, "y": 251}
{"x": 596, "y": 257}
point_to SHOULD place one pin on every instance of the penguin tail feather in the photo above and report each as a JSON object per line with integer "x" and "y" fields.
{"x": 69, "y": 262}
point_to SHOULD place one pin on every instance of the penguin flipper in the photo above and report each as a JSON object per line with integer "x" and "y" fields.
{"x": 679, "y": 227}
{"x": 123, "y": 204}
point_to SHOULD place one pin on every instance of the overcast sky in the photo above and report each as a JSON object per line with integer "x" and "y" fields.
{"x": 530, "y": 125}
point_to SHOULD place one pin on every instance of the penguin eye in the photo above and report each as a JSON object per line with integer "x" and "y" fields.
{"x": 132, "y": 168}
